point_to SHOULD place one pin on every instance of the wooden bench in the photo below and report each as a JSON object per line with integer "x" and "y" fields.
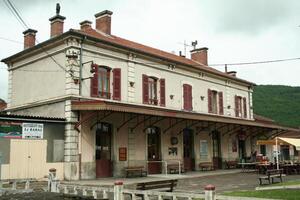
{"x": 231, "y": 164}
{"x": 135, "y": 171}
{"x": 271, "y": 175}
{"x": 206, "y": 166}
{"x": 174, "y": 168}
{"x": 164, "y": 186}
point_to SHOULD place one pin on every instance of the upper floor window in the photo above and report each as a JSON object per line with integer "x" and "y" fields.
{"x": 150, "y": 90}
{"x": 104, "y": 82}
{"x": 187, "y": 97}
{"x": 240, "y": 106}
{"x": 152, "y": 82}
{"x": 215, "y": 102}
{"x": 101, "y": 82}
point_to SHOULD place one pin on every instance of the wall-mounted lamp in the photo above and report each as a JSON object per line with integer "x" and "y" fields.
{"x": 131, "y": 83}
{"x": 228, "y": 107}
{"x": 202, "y": 98}
{"x": 171, "y": 96}
{"x": 76, "y": 80}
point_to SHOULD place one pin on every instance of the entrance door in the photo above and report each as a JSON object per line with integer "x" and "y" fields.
{"x": 242, "y": 150}
{"x": 188, "y": 150}
{"x": 217, "y": 155}
{"x": 154, "y": 155}
{"x": 103, "y": 150}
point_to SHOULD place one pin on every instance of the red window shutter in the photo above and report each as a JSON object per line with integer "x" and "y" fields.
{"x": 190, "y": 97}
{"x": 145, "y": 89}
{"x": 94, "y": 81}
{"x": 209, "y": 96}
{"x": 117, "y": 84}
{"x": 221, "y": 107}
{"x": 162, "y": 83}
{"x": 236, "y": 106}
{"x": 185, "y": 97}
{"x": 245, "y": 107}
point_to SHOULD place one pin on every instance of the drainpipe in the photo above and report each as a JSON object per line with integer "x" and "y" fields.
{"x": 80, "y": 66}
{"x": 79, "y": 115}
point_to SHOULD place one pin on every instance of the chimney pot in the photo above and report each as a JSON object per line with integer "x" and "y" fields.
{"x": 86, "y": 24}
{"x": 103, "y": 21}
{"x": 57, "y": 25}
{"x": 200, "y": 55}
{"x": 29, "y": 38}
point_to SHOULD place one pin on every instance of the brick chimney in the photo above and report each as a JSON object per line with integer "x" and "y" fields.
{"x": 86, "y": 24}
{"x": 29, "y": 38}
{"x": 103, "y": 21}
{"x": 200, "y": 55}
{"x": 57, "y": 25}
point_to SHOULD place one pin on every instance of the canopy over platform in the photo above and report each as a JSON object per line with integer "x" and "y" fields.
{"x": 281, "y": 141}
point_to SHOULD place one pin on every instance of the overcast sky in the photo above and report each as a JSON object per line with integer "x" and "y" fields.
{"x": 234, "y": 31}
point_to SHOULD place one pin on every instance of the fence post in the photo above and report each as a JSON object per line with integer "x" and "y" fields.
{"x": 52, "y": 181}
{"x": 118, "y": 190}
{"x": 210, "y": 193}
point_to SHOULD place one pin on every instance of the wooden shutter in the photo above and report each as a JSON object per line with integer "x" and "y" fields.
{"x": 236, "y": 105}
{"x": 209, "y": 96}
{"x": 221, "y": 107}
{"x": 94, "y": 81}
{"x": 117, "y": 84}
{"x": 245, "y": 107}
{"x": 145, "y": 89}
{"x": 162, "y": 83}
{"x": 187, "y": 97}
{"x": 190, "y": 97}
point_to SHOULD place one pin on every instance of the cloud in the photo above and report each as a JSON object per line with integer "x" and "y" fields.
{"x": 250, "y": 16}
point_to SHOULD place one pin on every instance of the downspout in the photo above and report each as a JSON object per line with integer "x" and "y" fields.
{"x": 79, "y": 114}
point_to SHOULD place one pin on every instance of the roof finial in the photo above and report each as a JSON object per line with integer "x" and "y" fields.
{"x": 57, "y": 9}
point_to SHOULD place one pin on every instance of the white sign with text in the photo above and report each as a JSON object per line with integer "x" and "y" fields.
{"x": 32, "y": 130}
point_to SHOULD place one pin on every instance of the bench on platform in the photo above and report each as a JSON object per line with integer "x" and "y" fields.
{"x": 206, "y": 166}
{"x": 164, "y": 186}
{"x": 135, "y": 171}
{"x": 231, "y": 164}
{"x": 174, "y": 168}
{"x": 271, "y": 175}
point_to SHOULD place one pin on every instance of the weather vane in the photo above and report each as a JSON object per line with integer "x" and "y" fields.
{"x": 57, "y": 9}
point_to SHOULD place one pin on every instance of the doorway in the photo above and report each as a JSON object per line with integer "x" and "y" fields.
{"x": 242, "y": 150}
{"x": 188, "y": 150}
{"x": 217, "y": 155}
{"x": 154, "y": 150}
{"x": 103, "y": 150}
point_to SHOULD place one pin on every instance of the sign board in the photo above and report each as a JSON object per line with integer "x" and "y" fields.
{"x": 10, "y": 130}
{"x": 33, "y": 131}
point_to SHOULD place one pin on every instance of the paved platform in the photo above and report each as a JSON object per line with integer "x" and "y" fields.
{"x": 149, "y": 178}
{"x": 224, "y": 180}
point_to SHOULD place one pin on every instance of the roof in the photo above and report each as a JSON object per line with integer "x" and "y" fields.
{"x": 158, "y": 111}
{"x": 113, "y": 40}
{"x": 263, "y": 119}
{"x": 14, "y": 117}
{"x": 155, "y": 52}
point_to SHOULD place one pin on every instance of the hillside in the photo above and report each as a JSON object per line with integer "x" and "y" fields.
{"x": 281, "y": 103}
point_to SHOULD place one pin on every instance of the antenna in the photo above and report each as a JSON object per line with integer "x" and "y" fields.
{"x": 194, "y": 44}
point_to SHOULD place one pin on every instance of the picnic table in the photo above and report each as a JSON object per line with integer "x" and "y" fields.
{"x": 248, "y": 167}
